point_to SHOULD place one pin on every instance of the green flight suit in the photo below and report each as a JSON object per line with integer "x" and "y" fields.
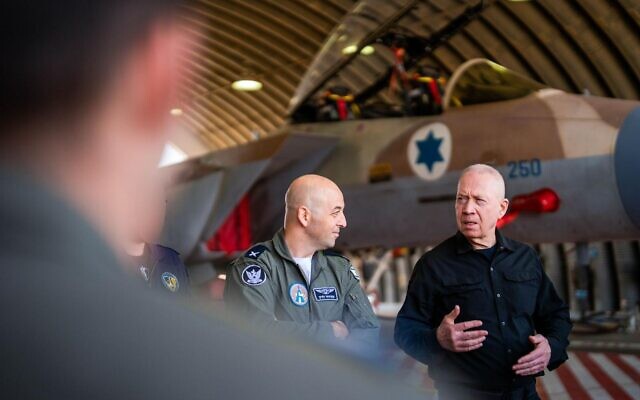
{"x": 267, "y": 285}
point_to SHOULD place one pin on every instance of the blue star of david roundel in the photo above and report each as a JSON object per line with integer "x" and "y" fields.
{"x": 429, "y": 151}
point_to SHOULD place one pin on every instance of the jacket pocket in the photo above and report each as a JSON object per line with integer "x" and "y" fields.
{"x": 466, "y": 291}
{"x": 521, "y": 287}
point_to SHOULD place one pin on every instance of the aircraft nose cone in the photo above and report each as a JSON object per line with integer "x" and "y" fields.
{"x": 627, "y": 165}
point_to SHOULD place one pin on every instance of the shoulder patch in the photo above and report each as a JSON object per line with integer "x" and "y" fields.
{"x": 255, "y": 251}
{"x": 253, "y": 275}
{"x": 170, "y": 281}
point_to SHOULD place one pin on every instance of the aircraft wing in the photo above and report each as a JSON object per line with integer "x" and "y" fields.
{"x": 207, "y": 189}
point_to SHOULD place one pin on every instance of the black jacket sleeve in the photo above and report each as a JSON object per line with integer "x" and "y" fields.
{"x": 415, "y": 329}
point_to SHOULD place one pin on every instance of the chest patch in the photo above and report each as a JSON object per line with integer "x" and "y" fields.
{"x": 253, "y": 275}
{"x": 325, "y": 294}
{"x": 298, "y": 294}
{"x": 170, "y": 281}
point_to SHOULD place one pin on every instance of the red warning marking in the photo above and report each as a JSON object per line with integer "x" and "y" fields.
{"x": 602, "y": 377}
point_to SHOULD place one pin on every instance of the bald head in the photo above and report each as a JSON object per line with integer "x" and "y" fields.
{"x": 309, "y": 191}
{"x": 314, "y": 211}
{"x": 488, "y": 173}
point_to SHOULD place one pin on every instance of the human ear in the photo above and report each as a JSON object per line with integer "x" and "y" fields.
{"x": 304, "y": 216}
{"x": 504, "y": 206}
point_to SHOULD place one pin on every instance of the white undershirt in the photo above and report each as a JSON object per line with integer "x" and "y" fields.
{"x": 305, "y": 266}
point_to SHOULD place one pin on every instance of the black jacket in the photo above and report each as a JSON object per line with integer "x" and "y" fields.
{"x": 510, "y": 294}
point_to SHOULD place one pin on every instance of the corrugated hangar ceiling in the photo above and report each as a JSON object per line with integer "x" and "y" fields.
{"x": 581, "y": 46}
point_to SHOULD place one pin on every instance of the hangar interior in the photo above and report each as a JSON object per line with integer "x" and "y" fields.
{"x": 583, "y": 47}
{"x": 579, "y": 46}
{"x": 347, "y": 61}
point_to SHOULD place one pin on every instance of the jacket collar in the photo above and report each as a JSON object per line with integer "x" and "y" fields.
{"x": 319, "y": 260}
{"x": 280, "y": 246}
{"x": 463, "y": 245}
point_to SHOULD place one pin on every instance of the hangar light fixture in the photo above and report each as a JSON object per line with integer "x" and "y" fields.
{"x": 176, "y": 112}
{"x": 367, "y": 50}
{"x": 246, "y": 85}
{"x": 350, "y": 49}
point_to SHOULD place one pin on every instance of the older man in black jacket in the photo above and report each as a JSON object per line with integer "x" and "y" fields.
{"x": 480, "y": 310}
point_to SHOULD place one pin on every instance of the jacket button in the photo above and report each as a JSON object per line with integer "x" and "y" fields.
{"x": 503, "y": 323}
{"x": 498, "y": 295}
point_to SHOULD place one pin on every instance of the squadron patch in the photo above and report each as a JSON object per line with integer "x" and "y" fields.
{"x": 170, "y": 281}
{"x": 354, "y": 272}
{"x": 298, "y": 294}
{"x": 325, "y": 294}
{"x": 255, "y": 251}
{"x": 253, "y": 275}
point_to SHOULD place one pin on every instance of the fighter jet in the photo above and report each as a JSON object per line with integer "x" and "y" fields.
{"x": 568, "y": 160}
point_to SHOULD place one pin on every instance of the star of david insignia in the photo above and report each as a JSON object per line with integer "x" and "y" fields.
{"x": 429, "y": 151}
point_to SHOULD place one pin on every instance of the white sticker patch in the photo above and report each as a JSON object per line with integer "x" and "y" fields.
{"x": 354, "y": 272}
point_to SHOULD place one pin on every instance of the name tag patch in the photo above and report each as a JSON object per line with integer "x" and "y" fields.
{"x": 325, "y": 294}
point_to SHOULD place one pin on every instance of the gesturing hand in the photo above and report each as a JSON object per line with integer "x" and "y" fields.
{"x": 537, "y": 360}
{"x": 453, "y": 337}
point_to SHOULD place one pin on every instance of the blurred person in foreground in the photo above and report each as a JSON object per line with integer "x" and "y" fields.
{"x": 480, "y": 310}
{"x": 85, "y": 93}
{"x": 159, "y": 267}
{"x": 295, "y": 284}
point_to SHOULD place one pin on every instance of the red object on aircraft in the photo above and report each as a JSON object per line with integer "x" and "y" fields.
{"x": 435, "y": 92}
{"x": 508, "y": 218}
{"x": 235, "y": 233}
{"x": 541, "y": 201}
{"x": 343, "y": 113}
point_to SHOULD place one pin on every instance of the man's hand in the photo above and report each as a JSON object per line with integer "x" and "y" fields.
{"x": 339, "y": 329}
{"x": 453, "y": 337}
{"x": 535, "y": 361}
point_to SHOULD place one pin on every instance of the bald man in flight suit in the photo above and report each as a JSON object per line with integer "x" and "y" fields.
{"x": 292, "y": 283}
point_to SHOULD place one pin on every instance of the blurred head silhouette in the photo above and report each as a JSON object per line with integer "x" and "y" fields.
{"x": 85, "y": 92}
